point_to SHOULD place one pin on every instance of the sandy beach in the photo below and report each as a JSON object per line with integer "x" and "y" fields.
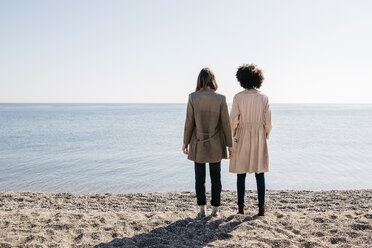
{"x": 294, "y": 219}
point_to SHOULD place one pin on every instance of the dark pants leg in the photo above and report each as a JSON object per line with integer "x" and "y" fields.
{"x": 260, "y": 180}
{"x": 241, "y": 188}
{"x": 215, "y": 174}
{"x": 200, "y": 183}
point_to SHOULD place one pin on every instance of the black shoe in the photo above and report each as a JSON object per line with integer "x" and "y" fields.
{"x": 261, "y": 211}
{"x": 241, "y": 210}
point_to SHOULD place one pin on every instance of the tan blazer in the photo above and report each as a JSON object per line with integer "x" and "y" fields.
{"x": 250, "y": 120}
{"x": 207, "y": 127}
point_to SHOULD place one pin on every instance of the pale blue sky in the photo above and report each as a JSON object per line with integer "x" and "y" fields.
{"x": 152, "y": 51}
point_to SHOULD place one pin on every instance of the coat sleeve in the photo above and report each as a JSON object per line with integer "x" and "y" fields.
{"x": 267, "y": 118}
{"x": 226, "y": 123}
{"x": 189, "y": 123}
{"x": 234, "y": 117}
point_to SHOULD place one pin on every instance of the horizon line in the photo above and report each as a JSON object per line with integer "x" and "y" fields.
{"x": 335, "y": 103}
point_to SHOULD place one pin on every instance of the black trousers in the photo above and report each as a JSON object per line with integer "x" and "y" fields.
{"x": 260, "y": 180}
{"x": 215, "y": 173}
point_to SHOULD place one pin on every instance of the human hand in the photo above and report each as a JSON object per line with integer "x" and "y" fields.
{"x": 230, "y": 152}
{"x": 185, "y": 149}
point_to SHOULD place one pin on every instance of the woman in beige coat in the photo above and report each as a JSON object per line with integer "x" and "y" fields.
{"x": 250, "y": 120}
{"x": 206, "y": 136}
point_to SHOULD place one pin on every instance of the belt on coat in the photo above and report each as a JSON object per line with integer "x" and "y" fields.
{"x": 198, "y": 140}
{"x": 250, "y": 124}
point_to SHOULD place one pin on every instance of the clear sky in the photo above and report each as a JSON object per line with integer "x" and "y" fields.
{"x": 311, "y": 51}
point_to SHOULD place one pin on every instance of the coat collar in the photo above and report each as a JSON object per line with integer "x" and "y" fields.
{"x": 250, "y": 90}
{"x": 206, "y": 90}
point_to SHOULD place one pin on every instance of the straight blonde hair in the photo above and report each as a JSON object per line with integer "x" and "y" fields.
{"x": 206, "y": 79}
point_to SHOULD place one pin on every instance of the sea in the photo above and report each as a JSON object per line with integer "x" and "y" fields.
{"x": 127, "y": 148}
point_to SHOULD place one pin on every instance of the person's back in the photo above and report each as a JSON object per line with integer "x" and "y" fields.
{"x": 210, "y": 118}
{"x": 207, "y": 106}
{"x": 253, "y": 109}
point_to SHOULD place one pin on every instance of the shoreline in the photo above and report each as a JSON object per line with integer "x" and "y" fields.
{"x": 294, "y": 219}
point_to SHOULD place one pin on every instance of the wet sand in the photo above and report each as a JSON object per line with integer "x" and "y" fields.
{"x": 294, "y": 219}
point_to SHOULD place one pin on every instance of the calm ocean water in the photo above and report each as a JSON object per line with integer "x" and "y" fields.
{"x": 123, "y": 148}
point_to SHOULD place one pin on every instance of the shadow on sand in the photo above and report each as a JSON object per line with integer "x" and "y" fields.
{"x": 183, "y": 233}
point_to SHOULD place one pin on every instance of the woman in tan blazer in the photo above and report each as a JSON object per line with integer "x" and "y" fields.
{"x": 250, "y": 120}
{"x": 207, "y": 134}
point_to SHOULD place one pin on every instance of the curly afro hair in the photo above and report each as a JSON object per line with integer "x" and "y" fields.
{"x": 249, "y": 76}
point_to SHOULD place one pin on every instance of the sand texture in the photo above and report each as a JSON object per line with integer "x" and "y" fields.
{"x": 294, "y": 219}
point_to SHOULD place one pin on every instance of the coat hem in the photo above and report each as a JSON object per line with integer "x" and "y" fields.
{"x": 250, "y": 172}
{"x": 206, "y": 161}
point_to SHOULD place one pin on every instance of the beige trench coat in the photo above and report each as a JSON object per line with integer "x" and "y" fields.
{"x": 250, "y": 120}
{"x": 207, "y": 127}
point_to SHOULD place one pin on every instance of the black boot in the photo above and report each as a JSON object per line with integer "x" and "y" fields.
{"x": 241, "y": 210}
{"x": 261, "y": 211}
